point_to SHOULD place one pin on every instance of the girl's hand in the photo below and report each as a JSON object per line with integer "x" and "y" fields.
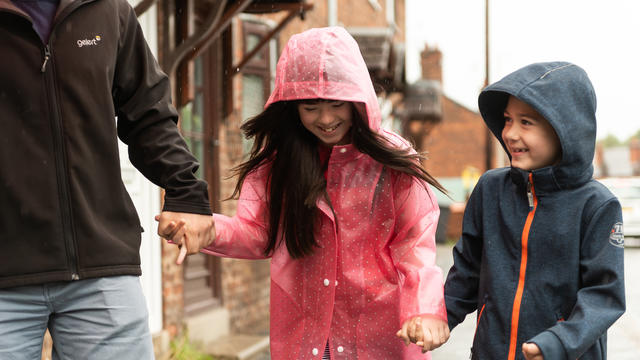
{"x": 191, "y": 232}
{"x": 531, "y": 351}
{"x": 426, "y": 331}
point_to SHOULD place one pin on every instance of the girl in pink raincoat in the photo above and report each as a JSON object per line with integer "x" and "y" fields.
{"x": 343, "y": 209}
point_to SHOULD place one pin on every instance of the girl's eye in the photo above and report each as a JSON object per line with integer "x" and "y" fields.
{"x": 309, "y": 108}
{"x": 507, "y": 119}
{"x": 337, "y": 103}
{"x": 526, "y": 122}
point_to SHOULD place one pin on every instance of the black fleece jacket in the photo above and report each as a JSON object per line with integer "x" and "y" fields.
{"x": 65, "y": 213}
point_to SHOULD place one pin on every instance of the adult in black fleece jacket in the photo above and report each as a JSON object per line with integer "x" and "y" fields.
{"x": 67, "y": 71}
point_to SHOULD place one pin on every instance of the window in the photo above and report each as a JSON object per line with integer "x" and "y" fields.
{"x": 256, "y": 75}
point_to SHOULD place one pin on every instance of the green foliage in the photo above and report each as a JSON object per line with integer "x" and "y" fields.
{"x": 610, "y": 141}
{"x": 182, "y": 349}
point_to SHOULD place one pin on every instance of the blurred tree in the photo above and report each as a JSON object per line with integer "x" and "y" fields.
{"x": 610, "y": 141}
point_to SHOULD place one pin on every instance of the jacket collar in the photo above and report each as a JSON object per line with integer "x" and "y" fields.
{"x": 64, "y": 7}
{"x": 344, "y": 153}
{"x": 544, "y": 180}
{"x": 8, "y": 6}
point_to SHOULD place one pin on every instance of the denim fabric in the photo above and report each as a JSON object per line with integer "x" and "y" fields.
{"x": 102, "y": 318}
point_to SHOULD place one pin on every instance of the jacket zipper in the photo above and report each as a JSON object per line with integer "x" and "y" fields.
{"x": 62, "y": 168}
{"x": 517, "y": 301}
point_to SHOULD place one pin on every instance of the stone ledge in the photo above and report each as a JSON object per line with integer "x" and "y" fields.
{"x": 238, "y": 347}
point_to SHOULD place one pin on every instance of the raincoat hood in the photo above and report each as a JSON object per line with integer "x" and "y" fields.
{"x": 563, "y": 94}
{"x": 326, "y": 63}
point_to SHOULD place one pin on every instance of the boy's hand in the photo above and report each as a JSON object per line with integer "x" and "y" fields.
{"x": 429, "y": 332}
{"x": 531, "y": 351}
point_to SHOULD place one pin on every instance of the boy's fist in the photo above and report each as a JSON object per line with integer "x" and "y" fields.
{"x": 531, "y": 351}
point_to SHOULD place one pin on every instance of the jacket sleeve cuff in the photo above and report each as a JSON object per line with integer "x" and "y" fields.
{"x": 186, "y": 207}
{"x": 550, "y": 345}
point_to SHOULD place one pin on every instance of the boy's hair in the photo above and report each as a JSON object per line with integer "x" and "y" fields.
{"x": 296, "y": 178}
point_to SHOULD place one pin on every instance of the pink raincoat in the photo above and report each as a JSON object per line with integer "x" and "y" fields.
{"x": 375, "y": 266}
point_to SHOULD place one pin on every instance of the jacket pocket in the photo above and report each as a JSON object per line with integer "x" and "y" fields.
{"x": 481, "y": 310}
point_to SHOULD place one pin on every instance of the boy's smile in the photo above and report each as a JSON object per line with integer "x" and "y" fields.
{"x": 530, "y": 139}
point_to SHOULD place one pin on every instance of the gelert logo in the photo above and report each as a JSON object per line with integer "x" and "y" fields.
{"x": 616, "y": 236}
{"x": 89, "y": 42}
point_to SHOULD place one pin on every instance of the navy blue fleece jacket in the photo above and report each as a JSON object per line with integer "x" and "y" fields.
{"x": 541, "y": 253}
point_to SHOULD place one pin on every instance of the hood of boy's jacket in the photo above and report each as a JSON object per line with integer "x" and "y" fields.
{"x": 563, "y": 94}
{"x": 326, "y": 63}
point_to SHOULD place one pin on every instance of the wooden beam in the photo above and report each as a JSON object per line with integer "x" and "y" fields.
{"x": 261, "y": 8}
{"x": 217, "y": 20}
{"x": 143, "y": 6}
{"x": 294, "y": 10}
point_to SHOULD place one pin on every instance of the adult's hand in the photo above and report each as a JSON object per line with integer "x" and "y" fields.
{"x": 191, "y": 232}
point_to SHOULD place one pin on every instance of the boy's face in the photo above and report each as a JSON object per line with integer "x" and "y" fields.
{"x": 530, "y": 139}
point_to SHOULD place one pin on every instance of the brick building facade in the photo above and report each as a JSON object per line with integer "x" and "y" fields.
{"x": 455, "y": 143}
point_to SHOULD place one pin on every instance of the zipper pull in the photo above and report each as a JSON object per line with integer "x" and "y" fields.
{"x": 530, "y": 195}
{"x": 47, "y": 55}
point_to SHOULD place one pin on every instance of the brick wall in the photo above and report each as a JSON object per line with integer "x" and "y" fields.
{"x": 431, "y": 61}
{"x": 458, "y": 139}
{"x": 634, "y": 149}
{"x": 245, "y": 283}
{"x": 456, "y": 142}
{"x": 172, "y": 290}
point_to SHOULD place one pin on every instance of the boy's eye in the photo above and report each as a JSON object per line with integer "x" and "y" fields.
{"x": 507, "y": 119}
{"x": 526, "y": 122}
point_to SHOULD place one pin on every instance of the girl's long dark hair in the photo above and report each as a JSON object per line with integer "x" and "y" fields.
{"x": 296, "y": 178}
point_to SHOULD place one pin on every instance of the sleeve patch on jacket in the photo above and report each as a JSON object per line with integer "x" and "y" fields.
{"x": 616, "y": 236}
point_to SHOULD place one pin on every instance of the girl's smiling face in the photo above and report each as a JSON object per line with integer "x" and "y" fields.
{"x": 530, "y": 139}
{"x": 329, "y": 120}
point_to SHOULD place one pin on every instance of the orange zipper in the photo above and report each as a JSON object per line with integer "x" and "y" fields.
{"x": 517, "y": 301}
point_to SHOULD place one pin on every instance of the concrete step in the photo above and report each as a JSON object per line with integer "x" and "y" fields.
{"x": 239, "y": 347}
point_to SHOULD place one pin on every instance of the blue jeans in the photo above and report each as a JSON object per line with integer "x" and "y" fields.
{"x": 102, "y": 318}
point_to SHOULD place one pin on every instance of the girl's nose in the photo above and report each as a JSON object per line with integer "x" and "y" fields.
{"x": 326, "y": 116}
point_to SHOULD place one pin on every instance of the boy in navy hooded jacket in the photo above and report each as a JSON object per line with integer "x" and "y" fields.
{"x": 541, "y": 252}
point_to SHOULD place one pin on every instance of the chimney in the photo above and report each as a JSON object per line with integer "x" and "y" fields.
{"x": 431, "y": 60}
{"x": 634, "y": 150}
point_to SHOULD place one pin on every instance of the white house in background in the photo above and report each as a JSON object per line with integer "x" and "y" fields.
{"x": 616, "y": 162}
{"x": 146, "y": 198}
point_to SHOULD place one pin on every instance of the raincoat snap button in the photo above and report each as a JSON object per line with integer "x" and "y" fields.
{"x": 343, "y": 150}
{"x": 336, "y": 282}
{"x": 326, "y": 282}
{"x": 314, "y": 351}
{"x": 340, "y": 349}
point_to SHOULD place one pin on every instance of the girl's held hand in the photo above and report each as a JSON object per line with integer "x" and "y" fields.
{"x": 531, "y": 351}
{"x": 426, "y": 331}
{"x": 191, "y": 232}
